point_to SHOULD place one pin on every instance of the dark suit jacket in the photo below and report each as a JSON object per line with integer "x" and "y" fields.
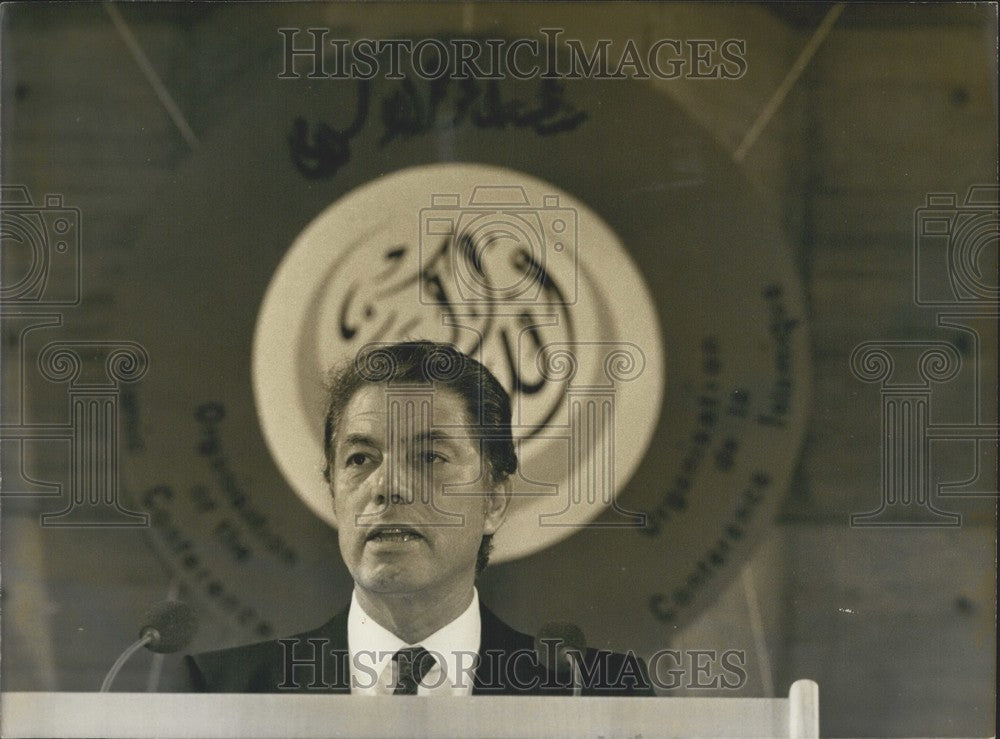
{"x": 317, "y": 661}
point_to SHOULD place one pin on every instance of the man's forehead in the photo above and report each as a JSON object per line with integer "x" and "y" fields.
{"x": 372, "y": 406}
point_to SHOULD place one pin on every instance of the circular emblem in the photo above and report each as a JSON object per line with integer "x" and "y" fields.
{"x": 511, "y": 270}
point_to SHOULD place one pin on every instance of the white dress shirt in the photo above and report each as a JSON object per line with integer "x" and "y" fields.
{"x": 455, "y": 647}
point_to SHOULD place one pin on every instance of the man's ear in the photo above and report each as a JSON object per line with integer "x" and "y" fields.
{"x": 495, "y": 507}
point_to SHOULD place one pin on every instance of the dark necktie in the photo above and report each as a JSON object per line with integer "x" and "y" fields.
{"x": 413, "y": 664}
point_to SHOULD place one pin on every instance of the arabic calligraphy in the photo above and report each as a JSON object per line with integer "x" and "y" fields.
{"x": 319, "y": 149}
{"x": 381, "y": 303}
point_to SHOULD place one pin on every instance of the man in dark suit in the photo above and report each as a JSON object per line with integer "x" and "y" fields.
{"x": 419, "y": 454}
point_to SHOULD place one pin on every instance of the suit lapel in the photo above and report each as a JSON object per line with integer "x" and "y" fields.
{"x": 508, "y": 664}
{"x": 336, "y": 631}
{"x": 336, "y": 662}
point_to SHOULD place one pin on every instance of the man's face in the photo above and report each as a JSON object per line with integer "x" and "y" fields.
{"x": 404, "y": 496}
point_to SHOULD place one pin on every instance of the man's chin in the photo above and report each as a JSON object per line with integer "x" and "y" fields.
{"x": 389, "y": 579}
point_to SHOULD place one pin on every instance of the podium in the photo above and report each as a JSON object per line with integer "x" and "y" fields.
{"x": 276, "y": 715}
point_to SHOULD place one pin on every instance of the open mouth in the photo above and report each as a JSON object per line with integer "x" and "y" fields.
{"x": 392, "y": 534}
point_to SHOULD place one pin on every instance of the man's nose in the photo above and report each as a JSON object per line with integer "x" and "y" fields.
{"x": 391, "y": 486}
{"x": 399, "y": 479}
{"x": 402, "y": 474}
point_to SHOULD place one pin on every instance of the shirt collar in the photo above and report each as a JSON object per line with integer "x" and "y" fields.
{"x": 454, "y": 645}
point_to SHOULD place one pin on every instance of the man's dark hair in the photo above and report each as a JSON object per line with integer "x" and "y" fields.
{"x": 487, "y": 404}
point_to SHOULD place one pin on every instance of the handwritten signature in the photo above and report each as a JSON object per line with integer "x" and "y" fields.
{"x": 319, "y": 150}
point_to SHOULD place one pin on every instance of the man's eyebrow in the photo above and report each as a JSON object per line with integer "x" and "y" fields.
{"x": 360, "y": 439}
{"x": 437, "y": 435}
{"x": 434, "y": 435}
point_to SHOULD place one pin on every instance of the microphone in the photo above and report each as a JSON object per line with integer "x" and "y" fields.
{"x": 561, "y": 645}
{"x": 170, "y": 624}
{"x": 167, "y": 627}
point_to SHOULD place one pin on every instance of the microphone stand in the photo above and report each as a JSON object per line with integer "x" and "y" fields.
{"x": 577, "y": 675}
{"x": 149, "y": 635}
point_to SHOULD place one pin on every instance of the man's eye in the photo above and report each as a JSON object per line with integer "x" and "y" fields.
{"x": 356, "y": 459}
{"x": 432, "y": 457}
